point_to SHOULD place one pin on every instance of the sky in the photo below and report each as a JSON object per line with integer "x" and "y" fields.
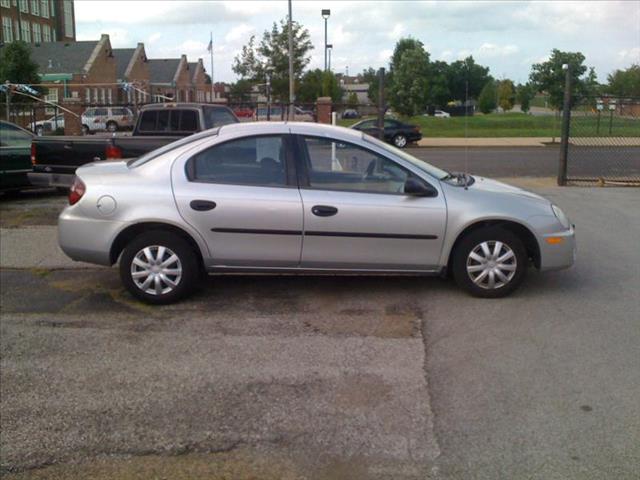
{"x": 505, "y": 36}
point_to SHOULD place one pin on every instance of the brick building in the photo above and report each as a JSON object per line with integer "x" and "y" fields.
{"x": 176, "y": 79}
{"x": 132, "y": 66}
{"x": 37, "y": 21}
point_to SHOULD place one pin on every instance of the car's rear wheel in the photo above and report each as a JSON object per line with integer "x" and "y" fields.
{"x": 159, "y": 267}
{"x": 490, "y": 262}
{"x": 112, "y": 127}
{"x": 400, "y": 141}
{"x": 85, "y": 130}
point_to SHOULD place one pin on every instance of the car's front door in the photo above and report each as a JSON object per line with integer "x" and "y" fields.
{"x": 241, "y": 196}
{"x": 356, "y": 214}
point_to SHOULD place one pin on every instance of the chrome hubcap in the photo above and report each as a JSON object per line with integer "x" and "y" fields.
{"x": 491, "y": 265}
{"x": 401, "y": 141}
{"x": 156, "y": 270}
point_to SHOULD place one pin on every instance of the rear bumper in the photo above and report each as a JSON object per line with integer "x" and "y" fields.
{"x": 51, "y": 179}
{"x": 86, "y": 240}
{"x": 558, "y": 250}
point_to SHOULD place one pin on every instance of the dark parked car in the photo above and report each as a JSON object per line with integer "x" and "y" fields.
{"x": 350, "y": 113}
{"x": 395, "y": 132}
{"x": 15, "y": 156}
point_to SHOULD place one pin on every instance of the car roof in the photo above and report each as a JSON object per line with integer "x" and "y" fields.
{"x": 299, "y": 128}
{"x": 160, "y": 106}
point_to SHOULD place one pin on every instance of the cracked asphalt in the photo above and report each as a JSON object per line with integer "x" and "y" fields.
{"x": 327, "y": 377}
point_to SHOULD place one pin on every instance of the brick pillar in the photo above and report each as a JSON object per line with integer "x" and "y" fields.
{"x": 72, "y": 124}
{"x": 323, "y": 105}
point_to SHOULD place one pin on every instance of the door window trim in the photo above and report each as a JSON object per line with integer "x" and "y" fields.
{"x": 303, "y": 162}
{"x": 289, "y": 162}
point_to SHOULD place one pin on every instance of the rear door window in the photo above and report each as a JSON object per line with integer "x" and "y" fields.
{"x": 188, "y": 121}
{"x": 148, "y": 121}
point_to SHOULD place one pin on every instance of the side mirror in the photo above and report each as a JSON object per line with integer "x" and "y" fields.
{"x": 418, "y": 188}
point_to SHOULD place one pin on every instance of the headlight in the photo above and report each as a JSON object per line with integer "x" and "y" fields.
{"x": 564, "y": 220}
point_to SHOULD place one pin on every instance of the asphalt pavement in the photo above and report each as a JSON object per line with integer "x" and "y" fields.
{"x": 327, "y": 377}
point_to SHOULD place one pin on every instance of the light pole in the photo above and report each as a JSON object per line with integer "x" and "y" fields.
{"x": 329, "y": 47}
{"x": 326, "y": 13}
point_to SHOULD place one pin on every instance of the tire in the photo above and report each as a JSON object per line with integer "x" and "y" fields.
{"x": 184, "y": 271}
{"x": 473, "y": 269}
{"x": 112, "y": 127}
{"x": 85, "y": 130}
{"x": 400, "y": 141}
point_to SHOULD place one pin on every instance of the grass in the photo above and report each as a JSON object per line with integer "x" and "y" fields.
{"x": 518, "y": 125}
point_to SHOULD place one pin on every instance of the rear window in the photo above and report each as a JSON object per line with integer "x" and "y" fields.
{"x": 148, "y": 121}
{"x": 169, "y": 120}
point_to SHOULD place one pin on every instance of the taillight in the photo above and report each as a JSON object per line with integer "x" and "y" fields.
{"x": 111, "y": 151}
{"x": 76, "y": 191}
{"x": 33, "y": 154}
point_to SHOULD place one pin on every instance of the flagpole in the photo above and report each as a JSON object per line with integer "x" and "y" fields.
{"x": 211, "y": 52}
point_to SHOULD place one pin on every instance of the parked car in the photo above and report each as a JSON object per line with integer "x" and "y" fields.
{"x": 244, "y": 113}
{"x": 395, "y": 131}
{"x": 441, "y": 114}
{"x": 350, "y": 113}
{"x": 49, "y": 125}
{"x": 280, "y": 197}
{"x": 15, "y": 156}
{"x": 278, "y": 114}
{"x": 110, "y": 119}
{"x": 55, "y": 159}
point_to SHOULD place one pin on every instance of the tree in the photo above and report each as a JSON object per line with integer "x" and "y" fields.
{"x": 352, "y": 100}
{"x": 487, "y": 98}
{"x": 240, "y": 91}
{"x": 439, "y": 93}
{"x": 272, "y": 56}
{"x": 409, "y": 86}
{"x": 506, "y": 94}
{"x": 316, "y": 83}
{"x": 463, "y": 71}
{"x": 370, "y": 76}
{"x": 550, "y": 77}
{"x": 16, "y": 66}
{"x": 625, "y": 83}
{"x": 524, "y": 95}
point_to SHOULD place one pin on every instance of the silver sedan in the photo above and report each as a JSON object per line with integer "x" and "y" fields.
{"x": 300, "y": 197}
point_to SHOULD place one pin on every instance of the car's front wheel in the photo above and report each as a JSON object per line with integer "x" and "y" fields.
{"x": 400, "y": 141}
{"x": 159, "y": 267}
{"x": 490, "y": 262}
{"x": 112, "y": 127}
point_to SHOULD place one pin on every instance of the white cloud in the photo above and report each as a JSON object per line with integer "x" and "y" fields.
{"x": 397, "y": 32}
{"x": 240, "y": 32}
{"x": 493, "y": 50}
{"x": 154, "y": 37}
{"x": 385, "y": 55}
{"x": 629, "y": 55}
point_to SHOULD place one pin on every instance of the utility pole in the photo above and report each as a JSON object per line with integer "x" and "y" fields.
{"x": 566, "y": 121}
{"x": 291, "y": 79}
{"x": 325, "y": 14}
{"x": 7, "y": 100}
{"x": 211, "y": 52}
{"x": 381, "y": 108}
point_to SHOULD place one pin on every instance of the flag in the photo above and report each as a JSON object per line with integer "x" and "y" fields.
{"x": 210, "y": 46}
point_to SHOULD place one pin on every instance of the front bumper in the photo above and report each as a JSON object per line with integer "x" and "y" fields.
{"x": 558, "y": 250}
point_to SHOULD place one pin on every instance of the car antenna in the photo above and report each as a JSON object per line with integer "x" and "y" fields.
{"x": 466, "y": 135}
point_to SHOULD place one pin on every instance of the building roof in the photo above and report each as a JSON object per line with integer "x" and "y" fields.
{"x": 123, "y": 57}
{"x": 162, "y": 70}
{"x": 62, "y": 57}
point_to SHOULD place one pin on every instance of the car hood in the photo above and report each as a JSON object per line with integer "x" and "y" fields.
{"x": 489, "y": 185}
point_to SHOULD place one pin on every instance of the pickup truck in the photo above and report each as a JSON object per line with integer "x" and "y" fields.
{"x": 55, "y": 159}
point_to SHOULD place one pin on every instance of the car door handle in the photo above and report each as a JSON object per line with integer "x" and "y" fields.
{"x": 324, "y": 210}
{"x": 202, "y": 205}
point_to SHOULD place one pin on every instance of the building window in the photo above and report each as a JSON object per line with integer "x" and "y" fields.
{"x": 52, "y": 97}
{"x": 103, "y": 97}
{"x": 109, "y": 97}
{"x": 37, "y": 33}
{"x": 54, "y": 36}
{"x": 7, "y": 32}
{"x": 35, "y": 7}
{"x": 25, "y": 31}
{"x": 24, "y": 6}
{"x": 53, "y": 9}
{"x": 87, "y": 95}
{"x": 16, "y": 29}
{"x": 44, "y": 8}
{"x": 5, "y": 4}
{"x": 68, "y": 18}
{"x": 46, "y": 33}
{"x": 95, "y": 95}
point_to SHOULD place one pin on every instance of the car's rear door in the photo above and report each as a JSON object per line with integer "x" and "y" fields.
{"x": 356, "y": 214}
{"x": 241, "y": 195}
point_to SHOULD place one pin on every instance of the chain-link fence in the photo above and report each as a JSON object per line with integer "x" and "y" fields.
{"x": 604, "y": 141}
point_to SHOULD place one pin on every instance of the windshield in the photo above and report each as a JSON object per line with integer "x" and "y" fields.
{"x": 422, "y": 165}
{"x": 136, "y": 162}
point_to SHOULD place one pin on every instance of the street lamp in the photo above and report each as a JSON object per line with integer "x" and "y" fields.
{"x": 326, "y": 13}
{"x": 329, "y": 47}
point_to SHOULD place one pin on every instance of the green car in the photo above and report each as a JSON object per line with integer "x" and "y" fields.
{"x": 15, "y": 156}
